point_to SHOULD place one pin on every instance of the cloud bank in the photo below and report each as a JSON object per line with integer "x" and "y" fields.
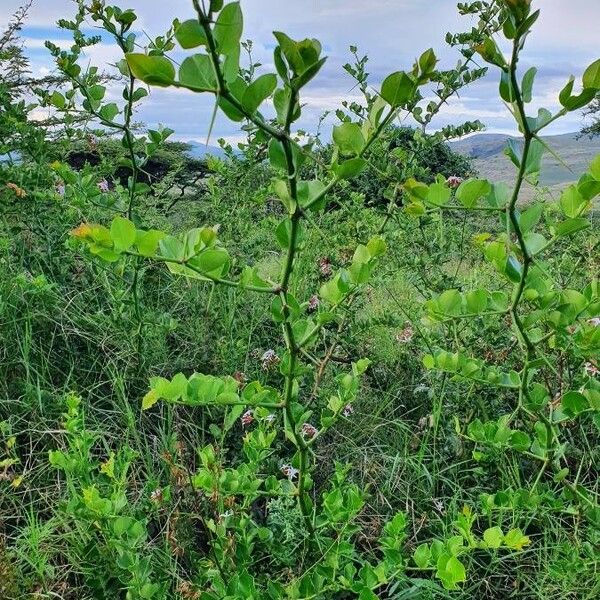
{"x": 391, "y": 32}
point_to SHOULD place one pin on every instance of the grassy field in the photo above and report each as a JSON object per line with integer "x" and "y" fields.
{"x": 571, "y": 156}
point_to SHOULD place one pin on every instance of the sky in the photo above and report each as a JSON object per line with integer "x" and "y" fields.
{"x": 392, "y": 32}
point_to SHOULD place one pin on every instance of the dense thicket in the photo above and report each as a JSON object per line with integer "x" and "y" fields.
{"x": 321, "y": 367}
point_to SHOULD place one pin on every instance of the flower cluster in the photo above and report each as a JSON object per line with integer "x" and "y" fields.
{"x": 453, "y": 181}
{"x": 406, "y": 335}
{"x": 247, "y": 418}
{"x": 290, "y": 472}
{"x": 269, "y": 360}
{"x": 309, "y": 431}
{"x": 325, "y": 267}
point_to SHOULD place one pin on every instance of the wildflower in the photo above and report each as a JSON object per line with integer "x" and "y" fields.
{"x": 19, "y": 192}
{"x": 309, "y": 431}
{"x": 591, "y": 369}
{"x": 348, "y": 410}
{"x": 247, "y": 418}
{"x": 325, "y": 267}
{"x": 406, "y": 335}
{"x": 594, "y": 321}
{"x": 157, "y": 495}
{"x": 453, "y": 181}
{"x": 290, "y": 472}
{"x": 240, "y": 378}
{"x": 103, "y": 186}
{"x": 313, "y": 303}
{"x": 270, "y": 418}
{"x": 269, "y": 359}
{"x": 60, "y": 189}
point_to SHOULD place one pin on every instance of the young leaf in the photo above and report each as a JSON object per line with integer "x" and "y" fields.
{"x": 349, "y": 138}
{"x": 228, "y": 28}
{"x": 493, "y": 537}
{"x": 470, "y": 191}
{"x": 153, "y": 70}
{"x": 258, "y": 91}
{"x": 572, "y": 202}
{"x": 397, "y": 89}
{"x": 197, "y": 74}
{"x": 122, "y": 233}
{"x": 190, "y": 34}
{"x": 591, "y": 77}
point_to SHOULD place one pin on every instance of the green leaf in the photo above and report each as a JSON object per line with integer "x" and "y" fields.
{"x": 153, "y": 70}
{"x": 190, "y": 34}
{"x": 57, "y": 100}
{"x": 572, "y": 202}
{"x": 108, "y": 112}
{"x": 308, "y": 191}
{"x": 349, "y": 138}
{"x": 571, "y": 102}
{"x": 450, "y": 571}
{"x": 147, "y": 241}
{"x": 398, "y": 89}
{"x": 350, "y": 168}
{"x": 122, "y": 233}
{"x": 574, "y": 403}
{"x": 477, "y": 301}
{"x": 493, "y": 537}
{"x": 527, "y": 84}
{"x": 516, "y": 540}
{"x": 149, "y": 400}
{"x": 422, "y": 556}
{"x": 530, "y": 217}
{"x": 438, "y": 193}
{"x": 450, "y": 302}
{"x": 258, "y": 91}
{"x": 228, "y": 28}
{"x": 571, "y": 226}
{"x": 534, "y": 158}
{"x": 211, "y": 261}
{"x": 197, "y": 74}
{"x": 595, "y": 168}
{"x": 470, "y": 191}
{"x": 591, "y": 77}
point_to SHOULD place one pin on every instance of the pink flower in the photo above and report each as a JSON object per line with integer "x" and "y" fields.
{"x": 247, "y": 418}
{"x": 103, "y": 186}
{"x": 591, "y": 369}
{"x": 313, "y": 303}
{"x": 325, "y": 267}
{"x": 453, "y": 181}
{"x": 309, "y": 431}
{"x": 406, "y": 335}
{"x": 290, "y": 472}
{"x": 269, "y": 359}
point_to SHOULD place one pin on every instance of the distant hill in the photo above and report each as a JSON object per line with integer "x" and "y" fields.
{"x": 199, "y": 150}
{"x": 488, "y": 151}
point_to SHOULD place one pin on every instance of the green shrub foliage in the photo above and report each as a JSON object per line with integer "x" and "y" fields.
{"x": 344, "y": 368}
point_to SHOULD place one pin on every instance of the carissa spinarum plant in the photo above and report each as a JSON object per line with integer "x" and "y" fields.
{"x": 245, "y": 558}
{"x": 88, "y": 96}
{"x": 552, "y": 311}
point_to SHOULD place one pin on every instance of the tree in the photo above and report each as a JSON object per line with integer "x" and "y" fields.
{"x": 593, "y": 110}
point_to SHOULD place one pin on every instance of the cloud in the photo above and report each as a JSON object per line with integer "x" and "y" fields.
{"x": 392, "y": 32}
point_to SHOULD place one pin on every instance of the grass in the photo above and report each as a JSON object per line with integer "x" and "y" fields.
{"x": 71, "y": 332}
